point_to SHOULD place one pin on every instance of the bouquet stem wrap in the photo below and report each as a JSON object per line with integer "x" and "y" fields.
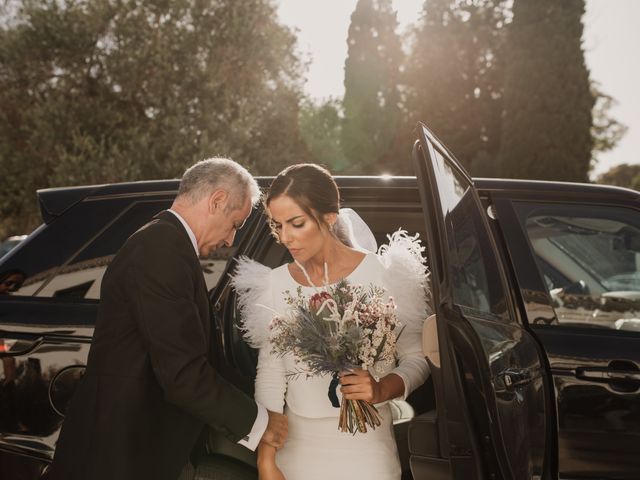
{"x": 355, "y": 415}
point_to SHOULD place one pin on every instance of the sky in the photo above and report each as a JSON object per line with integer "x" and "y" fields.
{"x": 610, "y": 38}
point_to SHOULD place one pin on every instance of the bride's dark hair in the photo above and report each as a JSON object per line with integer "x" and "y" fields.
{"x": 311, "y": 186}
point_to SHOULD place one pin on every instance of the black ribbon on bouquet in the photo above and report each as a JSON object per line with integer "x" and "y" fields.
{"x": 333, "y": 395}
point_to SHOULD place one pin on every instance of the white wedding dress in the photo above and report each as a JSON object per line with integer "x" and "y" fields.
{"x": 315, "y": 448}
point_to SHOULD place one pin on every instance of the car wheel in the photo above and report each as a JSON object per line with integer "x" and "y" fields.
{"x": 223, "y": 468}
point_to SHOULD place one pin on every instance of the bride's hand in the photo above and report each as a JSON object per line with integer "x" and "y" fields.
{"x": 270, "y": 472}
{"x": 358, "y": 384}
{"x": 267, "y": 467}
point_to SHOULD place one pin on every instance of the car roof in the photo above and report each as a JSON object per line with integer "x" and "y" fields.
{"x": 55, "y": 201}
{"x": 504, "y": 184}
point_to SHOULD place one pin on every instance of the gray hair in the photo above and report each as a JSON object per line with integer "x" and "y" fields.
{"x": 218, "y": 173}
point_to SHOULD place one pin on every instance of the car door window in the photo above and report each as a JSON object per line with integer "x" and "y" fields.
{"x": 81, "y": 276}
{"x": 51, "y": 246}
{"x": 67, "y": 260}
{"x": 477, "y": 285}
{"x": 476, "y": 282}
{"x": 589, "y": 258}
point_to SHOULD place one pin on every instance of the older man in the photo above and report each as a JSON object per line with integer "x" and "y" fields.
{"x": 150, "y": 386}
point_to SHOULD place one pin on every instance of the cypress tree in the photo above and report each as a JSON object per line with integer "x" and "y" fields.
{"x": 371, "y": 98}
{"x": 548, "y": 102}
{"x": 454, "y": 78}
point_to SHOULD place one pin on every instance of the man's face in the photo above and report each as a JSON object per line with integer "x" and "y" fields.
{"x": 222, "y": 226}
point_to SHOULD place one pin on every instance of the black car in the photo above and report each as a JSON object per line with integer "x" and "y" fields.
{"x": 536, "y": 287}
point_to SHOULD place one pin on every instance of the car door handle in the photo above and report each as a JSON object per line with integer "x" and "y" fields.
{"x": 607, "y": 375}
{"x": 515, "y": 377}
{"x": 12, "y": 347}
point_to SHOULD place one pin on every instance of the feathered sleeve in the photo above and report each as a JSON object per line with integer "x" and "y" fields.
{"x": 252, "y": 282}
{"x": 406, "y": 280}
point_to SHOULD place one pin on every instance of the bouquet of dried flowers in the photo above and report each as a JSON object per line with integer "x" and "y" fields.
{"x": 341, "y": 327}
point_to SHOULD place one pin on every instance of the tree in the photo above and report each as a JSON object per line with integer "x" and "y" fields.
{"x": 546, "y": 132}
{"x": 606, "y": 131}
{"x": 623, "y": 175}
{"x": 371, "y": 110}
{"x": 321, "y": 128}
{"x": 96, "y": 91}
{"x": 454, "y": 78}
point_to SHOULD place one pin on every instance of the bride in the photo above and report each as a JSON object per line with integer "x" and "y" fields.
{"x": 302, "y": 205}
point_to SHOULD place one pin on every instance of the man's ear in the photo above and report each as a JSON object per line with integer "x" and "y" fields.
{"x": 218, "y": 200}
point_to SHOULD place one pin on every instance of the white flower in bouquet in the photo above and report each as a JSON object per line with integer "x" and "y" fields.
{"x": 340, "y": 328}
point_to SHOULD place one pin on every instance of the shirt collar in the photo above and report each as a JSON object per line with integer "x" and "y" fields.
{"x": 186, "y": 226}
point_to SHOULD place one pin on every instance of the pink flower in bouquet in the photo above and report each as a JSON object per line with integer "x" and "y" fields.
{"x": 317, "y": 300}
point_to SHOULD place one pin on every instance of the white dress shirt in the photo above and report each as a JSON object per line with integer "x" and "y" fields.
{"x": 262, "y": 419}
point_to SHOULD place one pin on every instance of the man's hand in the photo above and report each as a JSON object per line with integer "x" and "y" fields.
{"x": 277, "y": 430}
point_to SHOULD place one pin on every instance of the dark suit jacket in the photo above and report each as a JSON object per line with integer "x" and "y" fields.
{"x": 149, "y": 386}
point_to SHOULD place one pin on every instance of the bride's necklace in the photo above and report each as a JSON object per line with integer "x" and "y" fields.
{"x": 308, "y": 278}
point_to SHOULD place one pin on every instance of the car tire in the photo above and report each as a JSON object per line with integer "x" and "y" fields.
{"x": 220, "y": 468}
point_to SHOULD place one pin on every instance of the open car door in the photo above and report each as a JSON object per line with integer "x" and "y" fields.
{"x": 492, "y": 389}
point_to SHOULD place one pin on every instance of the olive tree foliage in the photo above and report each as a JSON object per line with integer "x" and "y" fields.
{"x": 548, "y": 102}
{"x": 623, "y": 175}
{"x": 95, "y": 91}
{"x": 371, "y": 98}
